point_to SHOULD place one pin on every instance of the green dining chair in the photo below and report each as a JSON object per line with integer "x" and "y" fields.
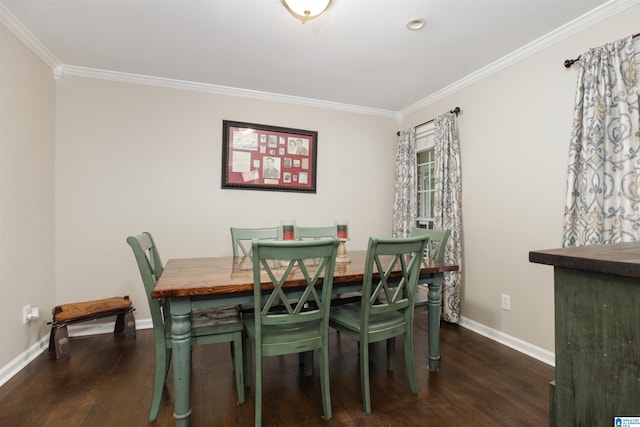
{"x": 241, "y": 238}
{"x": 386, "y": 307}
{"x": 303, "y": 233}
{"x": 212, "y": 325}
{"x": 291, "y": 319}
{"x": 435, "y": 250}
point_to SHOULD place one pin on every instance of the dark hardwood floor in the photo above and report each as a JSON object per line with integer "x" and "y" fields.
{"x": 107, "y": 382}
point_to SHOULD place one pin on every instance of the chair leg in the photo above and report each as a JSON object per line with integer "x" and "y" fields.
{"x": 238, "y": 363}
{"x": 324, "y": 382}
{"x": 248, "y": 364}
{"x": 364, "y": 377}
{"x": 258, "y": 398}
{"x": 409, "y": 362}
{"x": 163, "y": 357}
{"x": 372, "y": 351}
{"x": 391, "y": 353}
{"x": 61, "y": 343}
{"x": 308, "y": 363}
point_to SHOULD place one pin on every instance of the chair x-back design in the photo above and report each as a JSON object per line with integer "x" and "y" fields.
{"x": 292, "y": 298}
{"x": 386, "y": 307}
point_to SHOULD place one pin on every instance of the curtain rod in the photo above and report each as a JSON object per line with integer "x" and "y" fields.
{"x": 569, "y": 62}
{"x": 455, "y": 111}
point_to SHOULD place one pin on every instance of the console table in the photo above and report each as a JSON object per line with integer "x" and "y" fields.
{"x": 597, "y": 333}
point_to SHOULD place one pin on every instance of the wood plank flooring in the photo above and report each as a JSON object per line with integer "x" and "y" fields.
{"x": 107, "y": 382}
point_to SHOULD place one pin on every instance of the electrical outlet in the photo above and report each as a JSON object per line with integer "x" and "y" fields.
{"x": 506, "y": 302}
{"x": 26, "y": 311}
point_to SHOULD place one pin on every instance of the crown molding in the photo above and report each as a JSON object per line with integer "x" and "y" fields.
{"x": 93, "y": 73}
{"x": 26, "y": 37}
{"x": 587, "y": 20}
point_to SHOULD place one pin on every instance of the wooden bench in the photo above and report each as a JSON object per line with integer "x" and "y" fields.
{"x": 67, "y": 314}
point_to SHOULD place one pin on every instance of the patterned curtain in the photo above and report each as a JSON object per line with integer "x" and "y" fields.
{"x": 447, "y": 210}
{"x": 405, "y": 192}
{"x": 603, "y": 201}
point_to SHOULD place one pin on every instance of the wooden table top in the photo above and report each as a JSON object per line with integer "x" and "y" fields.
{"x": 619, "y": 259}
{"x": 184, "y": 277}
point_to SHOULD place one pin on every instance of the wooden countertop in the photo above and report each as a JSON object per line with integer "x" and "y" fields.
{"x": 619, "y": 259}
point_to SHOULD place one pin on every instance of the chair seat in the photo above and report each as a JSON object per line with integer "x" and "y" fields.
{"x": 349, "y": 316}
{"x": 287, "y": 339}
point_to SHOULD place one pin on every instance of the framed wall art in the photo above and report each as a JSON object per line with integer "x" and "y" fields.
{"x": 270, "y": 158}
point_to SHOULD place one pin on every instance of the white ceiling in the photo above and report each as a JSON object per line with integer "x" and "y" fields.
{"x": 357, "y": 53}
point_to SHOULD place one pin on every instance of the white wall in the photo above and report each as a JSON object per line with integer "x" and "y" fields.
{"x": 133, "y": 158}
{"x": 514, "y": 133}
{"x": 27, "y": 124}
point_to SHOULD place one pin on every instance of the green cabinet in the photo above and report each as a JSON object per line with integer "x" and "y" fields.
{"x": 597, "y": 333}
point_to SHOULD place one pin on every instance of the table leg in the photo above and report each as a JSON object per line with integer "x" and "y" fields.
{"x": 181, "y": 337}
{"x": 434, "y": 304}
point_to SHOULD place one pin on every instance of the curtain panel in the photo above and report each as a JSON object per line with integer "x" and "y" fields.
{"x": 603, "y": 184}
{"x": 448, "y": 208}
{"x": 406, "y": 182}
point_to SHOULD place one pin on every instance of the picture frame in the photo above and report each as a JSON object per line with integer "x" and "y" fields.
{"x": 268, "y": 158}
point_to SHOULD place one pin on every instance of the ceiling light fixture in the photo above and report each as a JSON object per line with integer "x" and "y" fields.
{"x": 306, "y": 9}
{"x": 415, "y": 24}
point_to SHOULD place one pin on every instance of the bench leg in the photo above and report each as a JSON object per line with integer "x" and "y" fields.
{"x": 59, "y": 342}
{"x": 125, "y": 322}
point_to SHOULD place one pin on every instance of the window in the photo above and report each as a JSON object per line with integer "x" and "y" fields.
{"x": 426, "y": 174}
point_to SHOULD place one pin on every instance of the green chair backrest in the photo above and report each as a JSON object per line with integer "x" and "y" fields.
{"x": 241, "y": 238}
{"x": 150, "y": 266}
{"x": 437, "y": 246}
{"x": 385, "y": 293}
{"x": 316, "y": 232}
{"x": 304, "y": 262}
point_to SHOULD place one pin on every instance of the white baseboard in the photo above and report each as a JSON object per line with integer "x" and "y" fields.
{"x": 23, "y": 359}
{"x": 534, "y": 351}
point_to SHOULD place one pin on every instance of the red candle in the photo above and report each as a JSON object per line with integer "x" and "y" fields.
{"x": 287, "y": 232}
{"x": 342, "y": 231}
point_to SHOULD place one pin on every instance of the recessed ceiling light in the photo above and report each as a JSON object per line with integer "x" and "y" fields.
{"x": 415, "y": 24}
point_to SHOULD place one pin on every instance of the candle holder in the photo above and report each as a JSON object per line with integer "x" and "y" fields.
{"x": 342, "y": 227}
{"x": 342, "y": 257}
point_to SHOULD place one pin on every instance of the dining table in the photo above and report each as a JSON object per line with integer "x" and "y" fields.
{"x": 193, "y": 283}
